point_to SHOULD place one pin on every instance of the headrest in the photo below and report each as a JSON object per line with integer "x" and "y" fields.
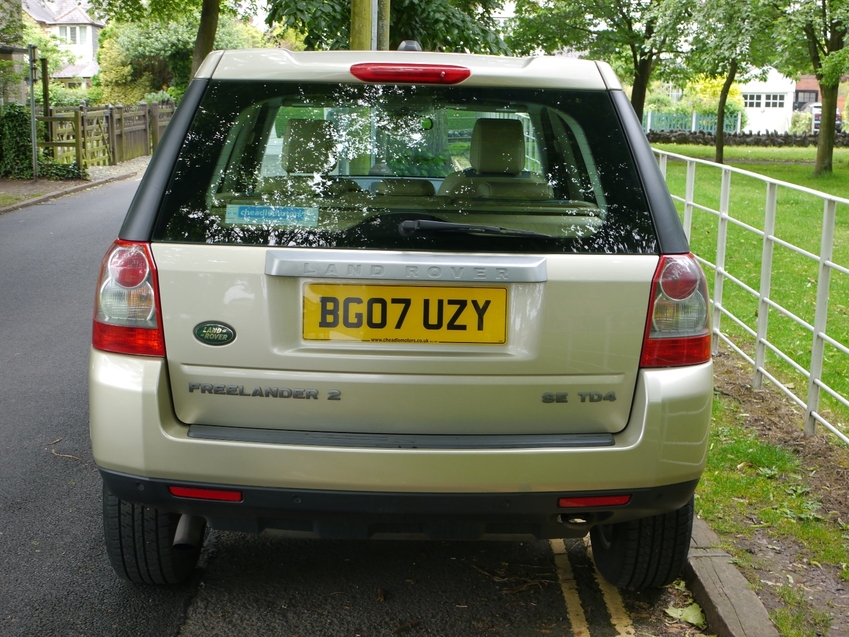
{"x": 498, "y": 146}
{"x": 308, "y": 146}
{"x": 408, "y": 187}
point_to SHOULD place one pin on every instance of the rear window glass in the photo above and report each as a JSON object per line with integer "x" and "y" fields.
{"x": 406, "y": 167}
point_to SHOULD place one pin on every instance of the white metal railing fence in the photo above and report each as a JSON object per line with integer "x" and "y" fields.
{"x": 768, "y": 276}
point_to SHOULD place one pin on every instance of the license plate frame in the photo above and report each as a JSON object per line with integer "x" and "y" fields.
{"x": 414, "y": 314}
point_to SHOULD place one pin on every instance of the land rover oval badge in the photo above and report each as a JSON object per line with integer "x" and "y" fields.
{"x": 212, "y": 333}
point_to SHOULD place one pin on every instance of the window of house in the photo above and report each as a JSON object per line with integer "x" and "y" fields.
{"x": 752, "y": 100}
{"x": 774, "y": 100}
{"x": 74, "y": 35}
{"x": 803, "y": 97}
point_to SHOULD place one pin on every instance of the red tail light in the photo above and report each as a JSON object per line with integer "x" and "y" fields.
{"x": 127, "y": 316}
{"x": 394, "y": 73}
{"x": 678, "y": 325}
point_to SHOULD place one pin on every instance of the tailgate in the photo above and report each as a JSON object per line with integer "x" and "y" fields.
{"x": 314, "y": 340}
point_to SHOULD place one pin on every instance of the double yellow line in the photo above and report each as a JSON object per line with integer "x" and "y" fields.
{"x": 618, "y": 615}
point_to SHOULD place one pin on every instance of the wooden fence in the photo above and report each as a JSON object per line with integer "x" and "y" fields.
{"x": 106, "y": 135}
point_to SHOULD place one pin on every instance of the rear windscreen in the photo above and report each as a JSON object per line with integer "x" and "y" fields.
{"x": 436, "y": 168}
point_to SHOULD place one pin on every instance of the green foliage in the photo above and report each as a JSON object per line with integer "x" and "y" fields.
{"x": 801, "y": 123}
{"x": 659, "y": 102}
{"x": 811, "y": 36}
{"x": 139, "y": 11}
{"x": 700, "y": 96}
{"x": 282, "y": 37}
{"x": 117, "y": 76}
{"x": 16, "y": 149}
{"x": 726, "y": 31}
{"x": 438, "y": 25}
{"x": 52, "y": 170}
{"x": 637, "y": 37}
{"x": 206, "y": 24}
{"x": 9, "y": 76}
{"x": 420, "y": 163}
{"x": 60, "y": 95}
{"x": 140, "y": 58}
{"x": 15, "y": 144}
{"x": 176, "y": 93}
{"x": 10, "y": 23}
{"x": 158, "y": 96}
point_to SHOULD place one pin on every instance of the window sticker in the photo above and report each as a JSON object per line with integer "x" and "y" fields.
{"x": 273, "y": 215}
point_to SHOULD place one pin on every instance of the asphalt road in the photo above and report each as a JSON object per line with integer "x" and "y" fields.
{"x": 54, "y": 575}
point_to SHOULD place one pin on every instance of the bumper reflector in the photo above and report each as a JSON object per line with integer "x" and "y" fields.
{"x": 206, "y": 494}
{"x": 593, "y": 501}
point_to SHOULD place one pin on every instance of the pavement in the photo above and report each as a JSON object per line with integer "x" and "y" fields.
{"x": 98, "y": 175}
{"x": 731, "y": 607}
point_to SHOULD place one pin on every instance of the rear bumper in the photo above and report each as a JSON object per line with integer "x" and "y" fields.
{"x": 135, "y": 434}
{"x": 438, "y": 516}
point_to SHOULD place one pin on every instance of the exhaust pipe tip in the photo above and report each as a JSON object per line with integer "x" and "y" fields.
{"x": 189, "y": 534}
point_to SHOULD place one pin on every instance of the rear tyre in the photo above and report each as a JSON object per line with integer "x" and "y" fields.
{"x": 139, "y": 542}
{"x": 645, "y": 553}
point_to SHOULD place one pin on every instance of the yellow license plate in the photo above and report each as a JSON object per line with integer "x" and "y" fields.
{"x": 404, "y": 314}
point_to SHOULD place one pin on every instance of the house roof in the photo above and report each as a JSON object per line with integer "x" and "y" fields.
{"x": 60, "y": 12}
{"x": 87, "y": 69}
{"x": 38, "y": 11}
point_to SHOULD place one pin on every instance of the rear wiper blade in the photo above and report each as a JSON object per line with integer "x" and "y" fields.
{"x": 411, "y": 226}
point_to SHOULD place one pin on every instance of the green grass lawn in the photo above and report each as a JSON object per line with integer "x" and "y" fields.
{"x": 794, "y": 279}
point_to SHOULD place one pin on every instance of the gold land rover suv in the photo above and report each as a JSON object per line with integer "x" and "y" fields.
{"x": 360, "y": 294}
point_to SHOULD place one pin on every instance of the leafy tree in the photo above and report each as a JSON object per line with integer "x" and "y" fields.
{"x": 638, "y": 37}
{"x": 204, "y": 13}
{"x": 49, "y": 46}
{"x": 137, "y": 59}
{"x": 703, "y": 93}
{"x": 731, "y": 40}
{"x": 812, "y": 37}
{"x": 438, "y": 25}
{"x": 282, "y": 37}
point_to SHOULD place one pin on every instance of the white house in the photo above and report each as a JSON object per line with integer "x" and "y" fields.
{"x": 769, "y": 103}
{"x": 71, "y": 23}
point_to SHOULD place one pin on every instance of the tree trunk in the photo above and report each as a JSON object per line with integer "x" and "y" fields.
{"x": 825, "y": 143}
{"x": 360, "y": 25}
{"x": 642, "y": 76}
{"x": 720, "y": 112}
{"x": 205, "y": 40}
{"x": 383, "y": 18}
